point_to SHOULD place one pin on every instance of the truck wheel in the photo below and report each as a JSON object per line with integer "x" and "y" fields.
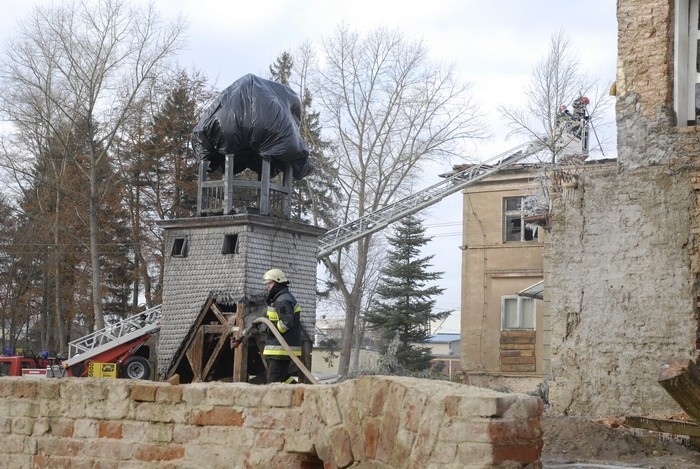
{"x": 136, "y": 368}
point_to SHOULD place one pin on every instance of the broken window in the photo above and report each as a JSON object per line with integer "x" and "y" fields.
{"x": 179, "y": 247}
{"x": 514, "y": 228}
{"x": 517, "y": 312}
{"x": 230, "y": 244}
{"x": 686, "y": 66}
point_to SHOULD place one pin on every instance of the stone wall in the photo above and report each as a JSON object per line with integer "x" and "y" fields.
{"x": 621, "y": 288}
{"x": 375, "y": 421}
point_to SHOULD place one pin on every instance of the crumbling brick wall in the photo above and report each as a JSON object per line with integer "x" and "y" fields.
{"x": 377, "y": 421}
{"x": 621, "y": 263}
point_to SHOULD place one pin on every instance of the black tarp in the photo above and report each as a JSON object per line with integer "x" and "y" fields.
{"x": 253, "y": 119}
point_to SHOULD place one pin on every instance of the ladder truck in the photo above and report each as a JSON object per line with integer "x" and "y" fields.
{"x": 122, "y": 343}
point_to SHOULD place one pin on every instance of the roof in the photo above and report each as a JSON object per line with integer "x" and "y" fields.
{"x": 442, "y": 338}
{"x": 535, "y": 291}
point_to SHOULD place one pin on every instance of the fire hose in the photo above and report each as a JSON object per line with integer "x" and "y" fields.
{"x": 263, "y": 320}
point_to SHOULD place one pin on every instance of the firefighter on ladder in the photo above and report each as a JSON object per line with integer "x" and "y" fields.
{"x": 285, "y": 314}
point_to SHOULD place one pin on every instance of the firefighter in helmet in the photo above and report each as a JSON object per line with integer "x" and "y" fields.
{"x": 284, "y": 312}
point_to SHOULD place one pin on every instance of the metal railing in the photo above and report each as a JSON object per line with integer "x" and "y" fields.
{"x": 122, "y": 332}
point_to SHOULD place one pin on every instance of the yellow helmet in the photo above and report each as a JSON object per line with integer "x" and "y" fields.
{"x": 275, "y": 275}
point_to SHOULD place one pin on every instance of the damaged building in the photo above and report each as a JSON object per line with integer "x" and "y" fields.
{"x": 620, "y": 263}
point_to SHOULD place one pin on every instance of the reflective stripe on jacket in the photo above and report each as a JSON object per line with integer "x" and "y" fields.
{"x": 284, "y": 312}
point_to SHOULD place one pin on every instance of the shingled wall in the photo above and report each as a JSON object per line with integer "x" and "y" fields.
{"x": 263, "y": 243}
{"x": 375, "y": 421}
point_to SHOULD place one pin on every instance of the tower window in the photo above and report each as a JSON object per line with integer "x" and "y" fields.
{"x": 179, "y": 247}
{"x": 230, "y": 244}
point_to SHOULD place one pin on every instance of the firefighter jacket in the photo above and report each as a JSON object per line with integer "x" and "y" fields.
{"x": 284, "y": 312}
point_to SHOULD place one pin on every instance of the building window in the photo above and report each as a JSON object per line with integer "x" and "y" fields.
{"x": 514, "y": 228}
{"x": 517, "y": 312}
{"x": 179, "y": 247}
{"x": 230, "y": 244}
{"x": 686, "y": 66}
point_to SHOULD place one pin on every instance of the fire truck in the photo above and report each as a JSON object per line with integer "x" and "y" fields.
{"x": 120, "y": 350}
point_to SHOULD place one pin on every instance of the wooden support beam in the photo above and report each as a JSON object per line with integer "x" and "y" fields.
{"x": 681, "y": 379}
{"x": 675, "y": 427}
{"x": 240, "y": 354}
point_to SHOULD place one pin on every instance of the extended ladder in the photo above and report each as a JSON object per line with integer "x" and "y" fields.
{"x": 112, "y": 336}
{"x": 380, "y": 219}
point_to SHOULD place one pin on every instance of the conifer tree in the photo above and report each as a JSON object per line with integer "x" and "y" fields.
{"x": 404, "y": 307}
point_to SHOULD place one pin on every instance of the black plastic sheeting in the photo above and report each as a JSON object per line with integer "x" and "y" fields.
{"x": 252, "y": 119}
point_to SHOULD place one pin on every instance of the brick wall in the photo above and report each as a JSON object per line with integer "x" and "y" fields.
{"x": 381, "y": 421}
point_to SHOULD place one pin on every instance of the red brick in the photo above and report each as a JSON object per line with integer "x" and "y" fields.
{"x": 217, "y": 416}
{"x": 143, "y": 393}
{"x": 524, "y": 454}
{"x": 378, "y": 398}
{"x": 60, "y": 447}
{"x": 371, "y": 435}
{"x": 109, "y": 430}
{"x": 513, "y": 431}
{"x": 160, "y": 453}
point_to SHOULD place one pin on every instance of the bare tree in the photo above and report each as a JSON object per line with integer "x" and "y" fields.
{"x": 89, "y": 60}
{"x": 389, "y": 110}
{"x": 556, "y": 80}
{"x": 568, "y": 135}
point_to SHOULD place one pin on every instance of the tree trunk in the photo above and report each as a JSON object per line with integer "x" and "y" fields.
{"x": 58, "y": 294}
{"x": 94, "y": 249}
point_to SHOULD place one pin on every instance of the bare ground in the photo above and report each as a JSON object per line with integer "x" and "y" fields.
{"x": 584, "y": 442}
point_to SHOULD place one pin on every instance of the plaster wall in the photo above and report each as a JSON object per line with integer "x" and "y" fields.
{"x": 621, "y": 267}
{"x": 620, "y": 290}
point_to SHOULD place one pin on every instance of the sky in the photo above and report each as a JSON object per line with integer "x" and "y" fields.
{"x": 493, "y": 46}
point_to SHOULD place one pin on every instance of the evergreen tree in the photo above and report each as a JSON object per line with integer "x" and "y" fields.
{"x": 314, "y": 199}
{"x": 404, "y": 307}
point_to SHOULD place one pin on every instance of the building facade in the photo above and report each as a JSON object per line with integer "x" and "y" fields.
{"x": 502, "y": 333}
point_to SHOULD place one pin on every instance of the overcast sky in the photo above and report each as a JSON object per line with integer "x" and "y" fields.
{"x": 494, "y": 46}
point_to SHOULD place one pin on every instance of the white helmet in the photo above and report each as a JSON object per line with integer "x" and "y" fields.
{"x": 275, "y": 275}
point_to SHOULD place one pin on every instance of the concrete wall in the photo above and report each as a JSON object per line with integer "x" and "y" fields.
{"x": 621, "y": 267}
{"x": 375, "y": 421}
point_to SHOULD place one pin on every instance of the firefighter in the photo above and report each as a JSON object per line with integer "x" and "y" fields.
{"x": 284, "y": 312}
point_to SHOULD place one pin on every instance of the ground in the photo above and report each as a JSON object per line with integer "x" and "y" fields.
{"x": 584, "y": 442}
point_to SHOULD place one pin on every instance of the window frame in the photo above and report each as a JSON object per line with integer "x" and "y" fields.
{"x": 508, "y": 215}
{"x": 686, "y": 66}
{"x": 179, "y": 248}
{"x": 520, "y": 313}
{"x": 230, "y": 244}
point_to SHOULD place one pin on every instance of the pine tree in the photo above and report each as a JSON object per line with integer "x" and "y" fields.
{"x": 314, "y": 197}
{"x": 404, "y": 307}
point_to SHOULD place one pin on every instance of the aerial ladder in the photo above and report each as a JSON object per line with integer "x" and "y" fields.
{"x": 119, "y": 343}
{"x": 369, "y": 223}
